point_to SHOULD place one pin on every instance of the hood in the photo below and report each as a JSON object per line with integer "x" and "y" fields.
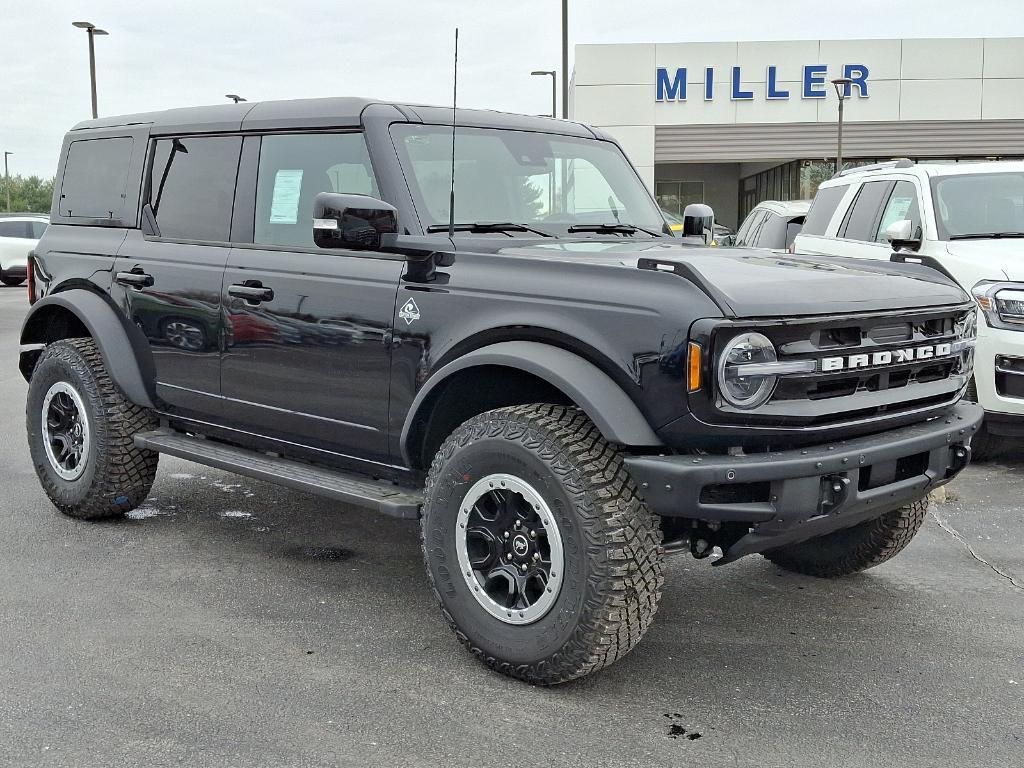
{"x": 757, "y": 283}
{"x": 986, "y": 259}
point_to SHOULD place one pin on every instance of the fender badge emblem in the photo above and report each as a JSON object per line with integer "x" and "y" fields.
{"x": 409, "y": 312}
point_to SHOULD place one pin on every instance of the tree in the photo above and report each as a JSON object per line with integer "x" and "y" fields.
{"x": 31, "y": 194}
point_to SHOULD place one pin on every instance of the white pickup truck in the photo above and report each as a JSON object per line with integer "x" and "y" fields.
{"x": 965, "y": 219}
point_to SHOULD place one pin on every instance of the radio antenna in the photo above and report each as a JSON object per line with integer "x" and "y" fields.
{"x": 455, "y": 101}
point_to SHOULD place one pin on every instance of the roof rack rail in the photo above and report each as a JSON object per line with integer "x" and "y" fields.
{"x": 902, "y": 162}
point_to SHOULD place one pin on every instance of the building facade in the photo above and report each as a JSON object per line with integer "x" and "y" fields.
{"x": 732, "y": 124}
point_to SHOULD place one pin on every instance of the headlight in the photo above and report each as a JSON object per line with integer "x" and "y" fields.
{"x": 741, "y": 380}
{"x": 1002, "y": 303}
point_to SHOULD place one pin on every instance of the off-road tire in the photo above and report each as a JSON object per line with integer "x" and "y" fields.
{"x": 12, "y": 281}
{"x": 117, "y": 475}
{"x": 612, "y": 543}
{"x": 854, "y": 549}
{"x": 982, "y": 444}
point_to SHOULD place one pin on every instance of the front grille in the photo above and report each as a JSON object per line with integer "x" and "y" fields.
{"x": 884, "y": 367}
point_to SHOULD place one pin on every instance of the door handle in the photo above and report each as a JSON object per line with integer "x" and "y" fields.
{"x": 136, "y": 278}
{"x": 252, "y": 291}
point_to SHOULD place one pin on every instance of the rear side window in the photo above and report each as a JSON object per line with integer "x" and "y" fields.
{"x": 772, "y": 233}
{"x": 192, "y": 186}
{"x": 38, "y": 227}
{"x": 14, "y": 229}
{"x": 95, "y": 177}
{"x": 824, "y": 206}
{"x": 862, "y": 219}
{"x": 748, "y": 229}
{"x": 294, "y": 169}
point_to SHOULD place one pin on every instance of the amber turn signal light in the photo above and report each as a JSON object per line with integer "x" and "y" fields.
{"x": 694, "y": 365}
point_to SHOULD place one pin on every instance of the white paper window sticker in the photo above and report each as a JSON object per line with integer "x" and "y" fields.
{"x": 284, "y": 205}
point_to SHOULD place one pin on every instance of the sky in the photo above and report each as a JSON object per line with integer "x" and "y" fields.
{"x": 189, "y": 52}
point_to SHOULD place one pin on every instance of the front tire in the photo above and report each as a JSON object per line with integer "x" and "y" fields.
{"x": 80, "y": 434}
{"x": 12, "y": 281}
{"x": 854, "y": 549}
{"x": 576, "y": 582}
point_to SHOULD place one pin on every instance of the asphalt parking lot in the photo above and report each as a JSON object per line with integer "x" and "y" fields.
{"x": 233, "y": 623}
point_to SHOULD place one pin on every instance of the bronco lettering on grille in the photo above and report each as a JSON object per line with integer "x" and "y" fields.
{"x": 887, "y": 357}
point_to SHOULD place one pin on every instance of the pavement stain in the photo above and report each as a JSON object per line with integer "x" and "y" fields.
{"x": 330, "y": 554}
{"x": 678, "y": 731}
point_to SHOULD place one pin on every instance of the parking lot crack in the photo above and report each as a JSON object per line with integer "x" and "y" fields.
{"x": 944, "y": 525}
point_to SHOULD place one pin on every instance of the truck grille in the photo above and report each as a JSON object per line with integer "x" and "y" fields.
{"x": 865, "y": 366}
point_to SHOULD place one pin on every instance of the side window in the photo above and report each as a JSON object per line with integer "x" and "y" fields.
{"x": 38, "y": 227}
{"x": 14, "y": 229}
{"x": 294, "y": 169}
{"x": 902, "y": 204}
{"x": 192, "y": 186}
{"x": 862, "y": 219}
{"x": 822, "y": 209}
{"x": 95, "y": 177}
{"x": 772, "y": 233}
{"x": 745, "y": 236}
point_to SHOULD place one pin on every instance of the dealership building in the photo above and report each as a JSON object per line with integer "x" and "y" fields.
{"x": 731, "y": 124}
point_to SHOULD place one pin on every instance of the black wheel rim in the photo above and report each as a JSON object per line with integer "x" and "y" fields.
{"x": 65, "y": 428}
{"x": 509, "y": 549}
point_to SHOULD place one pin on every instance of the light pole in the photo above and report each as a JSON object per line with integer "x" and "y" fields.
{"x": 7, "y": 181}
{"x": 554, "y": 87}
{"x": 840, "y": 83}
{"x": 92, "y": 31}
{"x": 234, "y": 97}
{"x": 565, "y": 59}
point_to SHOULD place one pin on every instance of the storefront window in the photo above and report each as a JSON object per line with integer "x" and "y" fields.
{"x": 674, "y": 196}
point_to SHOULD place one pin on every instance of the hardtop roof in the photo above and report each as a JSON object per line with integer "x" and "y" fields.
{"x": 335, "y": 112}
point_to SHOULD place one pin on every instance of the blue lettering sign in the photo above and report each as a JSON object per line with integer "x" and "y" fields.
{"x": 671, "y": 86}
{"x": 774, "y": 92}
{"x": 674, "y": 89}
{"x": 814, "y": 81}
{"x": 858, "y": 73}
{"x": 737, "y": 94}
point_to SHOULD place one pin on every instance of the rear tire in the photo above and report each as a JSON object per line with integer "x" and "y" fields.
{"x": 12, "y": 281}
{"x": 544, "y": 475}
{"x": 80, "y": 434}
{"x": 853, "y": 549}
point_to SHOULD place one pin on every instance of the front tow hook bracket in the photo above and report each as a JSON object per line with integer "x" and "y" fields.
{"x": 834, "y": 493}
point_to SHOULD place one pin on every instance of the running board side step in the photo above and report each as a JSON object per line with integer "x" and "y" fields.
{"x": 348, "y": 487}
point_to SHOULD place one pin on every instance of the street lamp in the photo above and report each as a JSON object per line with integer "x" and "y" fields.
{"x": 234, "y": 97}
{"x": 92, "y": 31}
{"x": 565, "y": 59}
{"x": 554, "y": 87}
{"x": 7, "y": 181}
{"x": 841, "y": 84}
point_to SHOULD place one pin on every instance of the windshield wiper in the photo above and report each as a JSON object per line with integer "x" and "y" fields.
{"x": 611, "y": 228}
{"x": 986, "y": 235}
{"x": 490, "y": 226}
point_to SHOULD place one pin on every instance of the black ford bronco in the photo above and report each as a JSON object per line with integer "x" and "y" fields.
{"x": 559, "y": 390}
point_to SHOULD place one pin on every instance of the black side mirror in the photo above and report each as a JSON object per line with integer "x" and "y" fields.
{"x": 352, "y": 221}
{"x": 698, "y": 221}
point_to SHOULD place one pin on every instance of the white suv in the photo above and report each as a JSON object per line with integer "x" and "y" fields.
{"x": 964, "y": 219}
{"x": 19, "y": 233}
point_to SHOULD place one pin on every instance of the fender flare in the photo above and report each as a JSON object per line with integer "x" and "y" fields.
{"x": 613, "y": 412}
{"x": 121, "y": 355}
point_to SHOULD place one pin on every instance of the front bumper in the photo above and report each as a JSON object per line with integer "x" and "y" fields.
{"x": 1000, "y": 387}
{"x": 790, "y": 496}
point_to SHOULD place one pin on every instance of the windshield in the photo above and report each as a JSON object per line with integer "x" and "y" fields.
{"x": 550, "y": 182}
{"x": 979, "y": 205}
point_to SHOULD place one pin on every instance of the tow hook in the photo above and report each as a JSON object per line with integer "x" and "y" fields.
{"x": 835, "y": 489}
{"x": 960, "y": 458}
